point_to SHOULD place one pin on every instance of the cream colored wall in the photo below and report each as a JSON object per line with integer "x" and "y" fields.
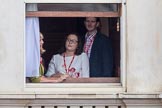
{"x": 144, "y": 46}
{"x": 11, "y": 45}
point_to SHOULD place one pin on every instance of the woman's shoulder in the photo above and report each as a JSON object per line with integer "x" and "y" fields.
{"x": 83, "y": 54}
{"x": 55, "y": 56}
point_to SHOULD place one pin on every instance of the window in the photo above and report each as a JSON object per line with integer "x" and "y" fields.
{"x": 53, "y": 15}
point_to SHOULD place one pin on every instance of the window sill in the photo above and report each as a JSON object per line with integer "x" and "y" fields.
{"x": 91, "y": 86}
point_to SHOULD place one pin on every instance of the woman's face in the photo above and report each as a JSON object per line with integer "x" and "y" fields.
{"x": 41, "y": 41}
{"x": 71, "y": 43}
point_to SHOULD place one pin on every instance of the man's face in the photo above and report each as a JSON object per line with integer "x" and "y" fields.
{"x": 91, "y": 24}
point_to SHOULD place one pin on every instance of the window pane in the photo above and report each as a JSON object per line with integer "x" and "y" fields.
{"x": 73, "y": 10}
{"x": 79, "y": 7}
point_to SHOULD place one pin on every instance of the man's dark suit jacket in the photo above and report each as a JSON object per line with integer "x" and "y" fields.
{"x": 101, "y": 57}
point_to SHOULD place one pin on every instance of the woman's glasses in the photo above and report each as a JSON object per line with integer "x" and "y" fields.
{"x": 72, "y": 41}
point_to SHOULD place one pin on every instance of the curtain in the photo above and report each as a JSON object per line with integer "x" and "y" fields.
{"x": 32, "y": 43}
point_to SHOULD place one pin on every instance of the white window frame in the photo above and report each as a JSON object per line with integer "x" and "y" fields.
{"x": 85, "y": 88}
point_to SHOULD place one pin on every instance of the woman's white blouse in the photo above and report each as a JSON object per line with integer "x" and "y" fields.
{"x": 78, "y": 69}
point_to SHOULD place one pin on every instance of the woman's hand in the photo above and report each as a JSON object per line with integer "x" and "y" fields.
{"x": 51, "y": 79}
{"x": 64, "y": 76}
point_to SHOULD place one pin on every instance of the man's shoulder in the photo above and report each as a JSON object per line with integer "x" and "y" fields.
{"x": 102, "y": 36}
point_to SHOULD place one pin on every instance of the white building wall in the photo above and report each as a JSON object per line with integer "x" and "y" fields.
{"x": 11, "y": 45}
{"x": 144, "y": 46}
{"x": 144, "y": 63}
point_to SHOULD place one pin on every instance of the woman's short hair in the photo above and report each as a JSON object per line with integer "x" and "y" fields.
{"x": 79, "y": 49}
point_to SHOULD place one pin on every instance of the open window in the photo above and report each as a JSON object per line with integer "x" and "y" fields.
{"x": 58, "y": 19}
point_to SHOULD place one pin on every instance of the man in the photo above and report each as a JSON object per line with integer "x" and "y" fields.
{"x": 98, "y": 48}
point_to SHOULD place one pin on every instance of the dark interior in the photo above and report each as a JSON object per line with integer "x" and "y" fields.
{"x": 55, "y": 29}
